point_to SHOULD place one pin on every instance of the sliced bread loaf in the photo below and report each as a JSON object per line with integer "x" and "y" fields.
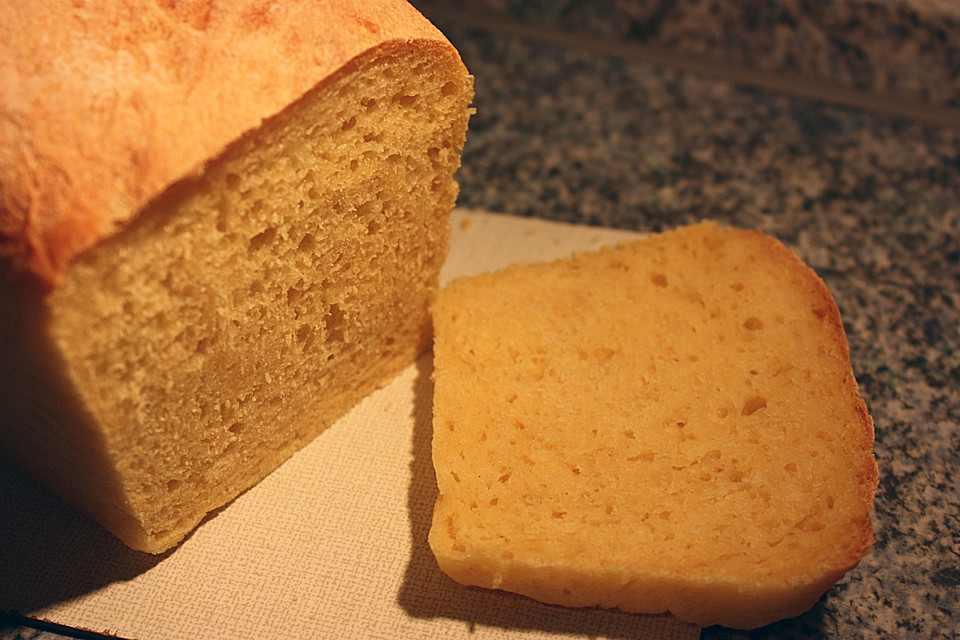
{"x": 669, "y": 425}
{"x": 221, "y": 226}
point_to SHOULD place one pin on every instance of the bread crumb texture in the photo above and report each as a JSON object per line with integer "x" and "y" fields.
{"x": 181, "y": 360}
{"x": 669, "y": 425}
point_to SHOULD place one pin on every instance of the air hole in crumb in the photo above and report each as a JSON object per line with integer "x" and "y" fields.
{"x": 504, "y": 477}
{"x": 203, "y": 345}
{"x": 737, "y": 286}
{"x": 790, "y": 466}
{"x": 448, "y": 89}
{"x": 753, "y": 403}
{"x": 559, "y": 514}
{"x": 293, "y": 295}
{"x": 349, "y": 124}
{"x": 810, "y": 524}
{"x": 236, "y": 428}
{"x": 305, "y": 335}
{"x": 456, "y": 478}
{"x": 494, "y": 501}
{"x": 262, "y": 239}
{"x": 406, "y": 101}
{"x": 602, "y": 354}
{"x": 233, "y": 181}
{"x": 333, "y": 322}
{"x": 629, "y": 434}
{"x": 370, "y": 104}
{"x": 354, "y": 164}
{"x": 365, "y": 209}
{"x": 307, "y": 243}
{"x": 753, "y": 324}
{"x": 173, "y": 485}
{"x": 659, "y": 279}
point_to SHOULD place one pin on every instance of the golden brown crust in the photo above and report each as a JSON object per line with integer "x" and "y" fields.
{"x": 106, "y": 105}
{"x": 829, "y": 314}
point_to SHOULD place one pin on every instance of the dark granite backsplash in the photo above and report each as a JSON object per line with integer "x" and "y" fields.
{"x": 904, "y": 48}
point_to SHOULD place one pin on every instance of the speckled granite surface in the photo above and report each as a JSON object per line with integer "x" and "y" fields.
{"x": 872, "y": 204}
{"x": 907, "y": 48}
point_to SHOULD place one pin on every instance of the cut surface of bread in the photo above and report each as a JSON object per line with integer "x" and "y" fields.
{"x": 672, "y": 425}
{"x": 184, "y": 356}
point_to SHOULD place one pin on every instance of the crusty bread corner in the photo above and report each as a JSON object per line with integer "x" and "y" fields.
{"x": 106, "y": 105}
{"x": 672, "y": 425}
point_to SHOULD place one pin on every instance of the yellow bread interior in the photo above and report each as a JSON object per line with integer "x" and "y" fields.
{"x": 670, "y": 425}
{"x": 244, "y": 311}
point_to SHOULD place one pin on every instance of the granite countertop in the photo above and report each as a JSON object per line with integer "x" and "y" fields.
{"x": 871, "y": 202}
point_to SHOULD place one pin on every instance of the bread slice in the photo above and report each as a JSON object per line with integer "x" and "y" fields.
{"x": 672, "y": 425}
{"x": 221, "y": 226}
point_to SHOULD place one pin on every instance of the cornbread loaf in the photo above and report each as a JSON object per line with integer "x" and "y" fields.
{"x": 222, "y": 225}
{"x": 672, "y": 425}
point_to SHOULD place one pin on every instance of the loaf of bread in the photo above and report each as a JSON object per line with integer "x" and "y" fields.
{"x": 221, "y": 225}
{"x": 672, "y": 425}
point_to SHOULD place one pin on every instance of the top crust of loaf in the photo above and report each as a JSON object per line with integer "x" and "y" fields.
{"x": 106, "y": 104}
